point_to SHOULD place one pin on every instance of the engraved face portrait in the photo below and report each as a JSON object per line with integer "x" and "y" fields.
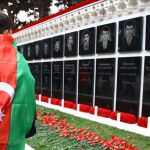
{"x": 106, "y": 38}
{"x": 28, "y": 51}
{"x": 87, "y": 41}
{"x": 129, "y": 38}
{"x": 71, "y": 41}
{"x": 57, "y": 46}
{"x": 37, "y": 50}
{"x": 58, "y": 42}
{"x": 22, "y": 49}
{"x": 46, "y": 48}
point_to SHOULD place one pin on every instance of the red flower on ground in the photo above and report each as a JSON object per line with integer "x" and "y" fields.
{"x": 66, "y": 129}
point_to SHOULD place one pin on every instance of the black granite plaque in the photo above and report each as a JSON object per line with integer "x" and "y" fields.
{"x": 85, "y": 83}
{"x": 128, "y": 84}
{"x": 130, "y": 35}
{"x": 147, "y": 47}
{"x": 57, "y": 75}
{"x": 21, "y": 49}
{"x": 37, "y": 75}
{"x": 31, "y": 68}
{"x": 18, "y": 48}
{"x": 58, "y": 43}
{"x": 46, "y": 79}
{"x": 70, "y": 75}
{"x": 46, "y": 48}
{"x": 146, "y": 92}
{"x": 71, "y": 44}
{"x": 106, "y": 38}
{"x": 24, "y": 50}
{"x": 29, "y": 51}
{"x": 87, "y": 41}
{"x": 37, "y": 50}
{"x": 104, "y": 92}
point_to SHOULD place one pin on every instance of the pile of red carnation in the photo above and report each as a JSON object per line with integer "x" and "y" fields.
{"x": 66, "y": 129}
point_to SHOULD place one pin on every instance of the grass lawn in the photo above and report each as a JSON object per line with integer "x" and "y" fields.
{"x": 46, "y": 139}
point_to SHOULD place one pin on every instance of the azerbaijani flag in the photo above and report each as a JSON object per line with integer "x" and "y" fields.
{"x": 17, "y": 96}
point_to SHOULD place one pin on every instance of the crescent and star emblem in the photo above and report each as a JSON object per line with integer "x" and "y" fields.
{"x": 5, "y": 87}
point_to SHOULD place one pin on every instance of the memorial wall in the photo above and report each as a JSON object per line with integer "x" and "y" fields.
{"x": 101, "y": 65}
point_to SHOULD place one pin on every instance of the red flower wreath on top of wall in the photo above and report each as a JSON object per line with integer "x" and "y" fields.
{"x": 143, "y": 121}
{"x": 56, "y": 101}
{"x": 36, "y": 96}
{"x": 68, "y": 104}
{"x": 103, "y": 112}
{"x": 124, "y": 117}
{"x": 84, "y": 108}
{"x": 44, "y": 99}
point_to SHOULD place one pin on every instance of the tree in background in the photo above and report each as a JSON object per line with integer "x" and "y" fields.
{"x": 33, "y": 9}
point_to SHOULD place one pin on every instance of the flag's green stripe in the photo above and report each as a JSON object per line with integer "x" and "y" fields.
{"x": 23, "y": 106}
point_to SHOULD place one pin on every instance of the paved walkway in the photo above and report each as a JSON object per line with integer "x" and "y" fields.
{"x": 27, "y": 147}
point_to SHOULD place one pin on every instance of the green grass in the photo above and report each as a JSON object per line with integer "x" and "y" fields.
{"x": 46, "y": 139}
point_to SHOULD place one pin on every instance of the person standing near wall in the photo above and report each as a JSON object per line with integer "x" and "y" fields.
{"x": 17, "y": 95}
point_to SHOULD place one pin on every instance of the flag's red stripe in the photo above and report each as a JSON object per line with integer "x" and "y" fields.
{"x": 4, "y": 129}
{"x": 8, "y": 69}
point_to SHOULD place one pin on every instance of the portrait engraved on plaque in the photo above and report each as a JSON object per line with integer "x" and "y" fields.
{"x": 71, "y": 44}
{"x": 37, "y": 50}
{"x": 87, "y": 41}
{"x": 130, "y": 35}
{"x": 106, "y": 38}
{"x": 46, "y": 48}
{"x": 58, "y": 44}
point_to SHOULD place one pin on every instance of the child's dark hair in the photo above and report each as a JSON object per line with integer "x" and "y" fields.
{"x": 5, "y": 23}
